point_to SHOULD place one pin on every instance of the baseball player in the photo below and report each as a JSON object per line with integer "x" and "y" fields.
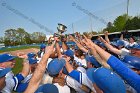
{"x": 42, "y": 50}
{"x": 33, "y": 64}
{"x": 3, "y": 72}
{"x": 127, "y": 74}
{"x": 13, "y": 82}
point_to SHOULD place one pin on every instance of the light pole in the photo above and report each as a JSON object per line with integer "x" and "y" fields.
{"x": 91, "y": 23}
{"x": 73, "y": 28}
{"x": 127, "y": 7}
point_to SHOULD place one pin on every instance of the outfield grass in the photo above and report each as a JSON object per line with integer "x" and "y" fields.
{"x": 18, "y": 66}
{"x": 17, "y": 48}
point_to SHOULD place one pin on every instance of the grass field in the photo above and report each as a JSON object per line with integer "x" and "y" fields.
{"x": 17, "y": 48}
{"x": 18, "y": 66}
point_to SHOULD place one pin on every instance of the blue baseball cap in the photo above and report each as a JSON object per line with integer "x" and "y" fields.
{"x": 92, "y": 60}
{"x": 108, "y": 81}
{"x": 65, "y": 71}
{"x": 119, "y": 43}
{"x": 6, "y": 57}
{"x": 96, "y": 41}
{"x": 132, "y": 61}
{"x": 55, "y": 66}
{"x": 47, "y": 88}
{"x": 31, "y": 55}
{"x": 76, "y": 47}
{"x": 42, "y": 46}
{"x": 32, "y": 60}
{"x": 4, "y": 71}
{"x": 136, "y": 47}
{"x": 69, "y": 53}
{"x": 90, "y": 74}
{"x": 102, "y": 45}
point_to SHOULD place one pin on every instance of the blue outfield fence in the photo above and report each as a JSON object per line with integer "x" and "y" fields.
{"x": 4, "y": 48}
{"x": 7, "y": 47}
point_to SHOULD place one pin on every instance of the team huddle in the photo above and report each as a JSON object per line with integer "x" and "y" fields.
{"x": 87, "y": 66}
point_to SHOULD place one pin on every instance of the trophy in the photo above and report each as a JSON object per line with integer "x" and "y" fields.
{"x": 61, "y": 29}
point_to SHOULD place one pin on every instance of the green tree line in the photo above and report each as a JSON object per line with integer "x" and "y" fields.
{"x": 19, "y": 36}
{"x": 122, "y": 23}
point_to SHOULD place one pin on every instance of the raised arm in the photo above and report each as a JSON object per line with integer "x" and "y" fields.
{"x": 78, "y": 44}
{"x": 110, "y": 47}
{"x": 95, "y": 54}
{"x": 58, "y": 48}
{"x": 127, "y": 74}
{"x": 106, "y": 37}
{"x": 39, "y": 72}
{"x": 64, "y": 45}
{"x": 26, "y": 68}
{"x": 121, "y": 37}
{"x": 103, "y": 54}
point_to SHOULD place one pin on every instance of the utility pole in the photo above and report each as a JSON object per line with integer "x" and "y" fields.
{"x": 127, "y": 7}
{"x": 91, "y": 24}
{"x": 73, "y": 28}
{"x": 127, "y": 12}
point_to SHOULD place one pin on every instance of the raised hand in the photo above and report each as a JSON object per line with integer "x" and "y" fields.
{"x": 56, "y": 39}
{"x": 26, "y": 68}
{"x": 106, "y": 33}
{"x": 49, "y": 49}
{"x": 71, "y": 37}
{"x": 102, "y": 40}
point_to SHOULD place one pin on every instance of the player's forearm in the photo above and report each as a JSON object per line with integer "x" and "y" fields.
{"x": 103, "y": 54}
{"x": 58, "y": 50}
{"x": 107, "y": 39}
{"x": 112, "y": 49}
{"x": 81, "y": 47}
{"x": 35, "y": 80}
{"x": 26, "y": 68}
{"x": 68, "y": 67}
{"x": 98, "y": 58}
{"x": 121, "y": 37}
{"x": 38, "y": 74}
{"x": 64, "y": 46}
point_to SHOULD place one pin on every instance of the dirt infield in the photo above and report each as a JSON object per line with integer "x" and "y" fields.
{"x": 26, "y": 51}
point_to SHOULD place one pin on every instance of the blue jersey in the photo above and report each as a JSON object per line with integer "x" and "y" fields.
{"x": 82, "y": 79}
{"x": 14, "y": 83}
{"x": 127, "y": 74}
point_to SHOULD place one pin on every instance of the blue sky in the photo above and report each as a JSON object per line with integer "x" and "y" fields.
{"x": 48, "y": 13}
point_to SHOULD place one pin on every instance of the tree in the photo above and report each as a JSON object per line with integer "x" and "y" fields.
{"x": 110, "y": 27}
{"x": 10, "y": 37}
{"x": 94, "y": 33}
{"x": 23, "y": 36}
{"x": 133, "y": 24}
{"x": 38, "y": 37}
{"x": 1, "y": 40}
{"x": 28, "y": 38}
{"x": 15, "y": 37}
{"x": 119, "y": 22}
